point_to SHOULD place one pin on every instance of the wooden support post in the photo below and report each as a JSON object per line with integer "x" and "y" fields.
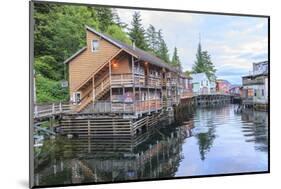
{"x": 53, "y": 108}
{"x": 60, "y": 106}
{"x": 148, "y": 95}
{"x": 93, "y": 85}
{"x": 110, "y": 85}
{"x": 134, "y": 90}
{"x": 35, "y": 111}
{"x": 89, "y": 128}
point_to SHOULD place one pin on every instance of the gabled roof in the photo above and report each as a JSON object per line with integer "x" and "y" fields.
{"x": 198, "y": 76}
{"x": 135, "y": 51}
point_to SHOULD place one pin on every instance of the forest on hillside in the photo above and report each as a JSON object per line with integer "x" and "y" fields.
{"x": 59, "y": 32}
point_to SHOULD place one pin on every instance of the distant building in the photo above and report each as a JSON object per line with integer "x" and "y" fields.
{"x": 235, "y": 90}
{"x": 201, "y": 84}
{"x": 222, "y": 86}
{"x": 255, "y": 86}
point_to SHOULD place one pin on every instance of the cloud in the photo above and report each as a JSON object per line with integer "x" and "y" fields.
{"x": 233, "y": 42}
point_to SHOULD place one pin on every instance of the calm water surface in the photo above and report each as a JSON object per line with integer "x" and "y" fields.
{"x": 204, "y": 142}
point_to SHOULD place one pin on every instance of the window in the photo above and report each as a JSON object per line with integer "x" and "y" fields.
{"x": 262, "y": 92}
{"x": 255, "y": 92}
{"x": 95, "y": 45}
{"x": 77, "y": 97}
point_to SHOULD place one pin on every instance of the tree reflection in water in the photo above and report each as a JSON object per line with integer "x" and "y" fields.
{"x": 186, "y": 143}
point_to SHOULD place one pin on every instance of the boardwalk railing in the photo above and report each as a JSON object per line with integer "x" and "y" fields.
{"x": 118, "y": 80}
{"x": 47, "y": 110}
{"x": 126, "y": 107}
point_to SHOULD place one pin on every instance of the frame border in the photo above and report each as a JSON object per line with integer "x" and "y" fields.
{"x": 31, "y": 88}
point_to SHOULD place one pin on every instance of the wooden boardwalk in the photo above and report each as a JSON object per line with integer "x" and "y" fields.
{"x": 49, "y": 110}
{"x": 107, "y": 127}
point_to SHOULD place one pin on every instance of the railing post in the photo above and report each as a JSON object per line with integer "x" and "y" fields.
{"x": 60, "y": 107}
{"x": 53, "y": 108}
{"x": 35, "y": 111}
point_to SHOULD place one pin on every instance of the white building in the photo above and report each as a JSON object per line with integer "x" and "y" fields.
{"x": 201, "y": 84}
{"x": 255, "y": 86}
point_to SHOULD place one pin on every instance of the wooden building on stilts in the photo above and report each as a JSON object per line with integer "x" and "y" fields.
{"x": 116, "y": 82}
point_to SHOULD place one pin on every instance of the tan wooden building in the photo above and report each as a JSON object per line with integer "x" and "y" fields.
{"x": 108, "y": 76}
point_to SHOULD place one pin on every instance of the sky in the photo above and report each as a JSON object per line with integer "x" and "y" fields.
{"x": 234, "y": 42}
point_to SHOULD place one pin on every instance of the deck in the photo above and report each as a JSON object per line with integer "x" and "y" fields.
{"x": 48, "y": 110}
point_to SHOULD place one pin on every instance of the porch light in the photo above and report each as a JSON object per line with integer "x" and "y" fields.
{"x": 114, "y": 64}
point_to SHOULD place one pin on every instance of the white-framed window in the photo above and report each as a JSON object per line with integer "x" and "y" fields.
{"x": 95, "y": 45}
{"x": 77, "y": 97}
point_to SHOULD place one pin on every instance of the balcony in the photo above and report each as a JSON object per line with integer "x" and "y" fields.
{"x": 259, "y": 81}
{"x": 118, "y": 80}
{"x": 154, "y": 82}
{"x": 127, "y": 80}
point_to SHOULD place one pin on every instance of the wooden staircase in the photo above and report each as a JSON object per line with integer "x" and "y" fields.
{"x": 100, "y": 90}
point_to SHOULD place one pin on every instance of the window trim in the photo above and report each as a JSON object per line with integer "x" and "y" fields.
{"x": 75, "y": 97}
{"x": 92, "y": 45}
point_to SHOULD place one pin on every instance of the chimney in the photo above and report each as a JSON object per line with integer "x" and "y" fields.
{"x": 134, "y": 46}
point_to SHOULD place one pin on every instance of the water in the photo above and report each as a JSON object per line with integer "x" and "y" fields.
{"x": 203, "y": 142}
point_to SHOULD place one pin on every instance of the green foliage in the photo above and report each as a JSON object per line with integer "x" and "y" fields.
{"x": 162, "y": 49}
{"x": 105, "y": 18}
{"x": 46, "y": 66}
{"x": 203, "y": 64}
{"x": 151, "y": 36}
{"x": 187, "y": 73}
{"x": 157, "y": 44}
{"x": 176, "y": 60}
{"x": 116, "y": 32}
{"x": 48, "y": 90}
{"x": 60, "y": 29}
{"x": 137, "y": 32}
{"x": 59, "y": 32}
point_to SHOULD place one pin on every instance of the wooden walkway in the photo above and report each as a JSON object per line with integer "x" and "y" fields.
{"x": 107, "y": 127}
{"x": 49, "y": 110}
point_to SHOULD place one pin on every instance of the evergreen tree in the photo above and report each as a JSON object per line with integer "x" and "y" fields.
{"x": 209, "y": 66}
{"x": 176, "y": 60}
{"x": 199, "y": 67}
{"x": 58, "y": 33}
{"x": 151, "y": 35}
{"x": 162, "y": 49}
{"x": 137, "y": 32}
{"x": 117, "y": 20}
{"x": 203, "y": 64}
{"x": 105, "y": 18}
{"x": 187, "y": 73}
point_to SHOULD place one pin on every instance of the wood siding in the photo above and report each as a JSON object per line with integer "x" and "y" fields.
{"x": 83, "y": 65}
{"x": 122, "y": 65}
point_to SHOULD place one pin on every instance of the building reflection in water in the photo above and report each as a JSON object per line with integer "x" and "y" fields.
{"x": 256, "y": 128}
{"x": 153, "y": 154}
{"x": 156, "y": 153}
